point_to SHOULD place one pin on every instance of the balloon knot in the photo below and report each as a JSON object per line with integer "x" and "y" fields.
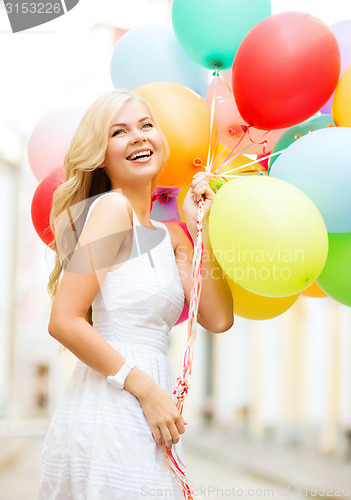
{"x": 219, "y": 184}
{"x": 197, "y": 162}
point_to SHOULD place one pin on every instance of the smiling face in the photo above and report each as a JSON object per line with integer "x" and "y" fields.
{"x": 135, "y": 147}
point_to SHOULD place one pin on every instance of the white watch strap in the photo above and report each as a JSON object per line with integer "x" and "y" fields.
{"x": 120, "y": 377}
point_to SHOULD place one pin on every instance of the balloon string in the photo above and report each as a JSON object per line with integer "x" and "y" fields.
{"x": 228, "y": 87}
{"x": 216, "y": 73}
{"x": 182, "y": 387}
{"x": 253, "y": 162}
{"x": 230, "y": 157}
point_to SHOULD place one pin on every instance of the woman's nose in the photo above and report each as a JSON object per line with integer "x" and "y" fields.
{"x": 138, "y": 137}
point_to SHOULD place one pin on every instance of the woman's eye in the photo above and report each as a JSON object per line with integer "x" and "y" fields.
{"x": 117, "y": 132}
{"x": 148, "y": 125}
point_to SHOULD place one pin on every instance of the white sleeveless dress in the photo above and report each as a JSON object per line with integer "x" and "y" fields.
{"x": 99, "y": 445}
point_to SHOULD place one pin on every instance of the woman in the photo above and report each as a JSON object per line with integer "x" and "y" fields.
{"x": 123, "y": 287}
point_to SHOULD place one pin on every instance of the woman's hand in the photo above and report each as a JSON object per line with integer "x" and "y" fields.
{"x": 160, "y": 410}
{"x": 163, "y": 417}
{"x": 199, "y": 187}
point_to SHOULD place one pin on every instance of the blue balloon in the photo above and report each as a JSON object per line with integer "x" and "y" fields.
{"x": 151, "y": 54}
{"x": 319, "y": 164}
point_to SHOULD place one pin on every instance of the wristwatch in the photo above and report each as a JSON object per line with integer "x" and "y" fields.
{"x": 120, "y": 377}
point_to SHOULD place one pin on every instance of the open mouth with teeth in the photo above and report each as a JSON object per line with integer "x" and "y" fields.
{"x": 141, "y": 156}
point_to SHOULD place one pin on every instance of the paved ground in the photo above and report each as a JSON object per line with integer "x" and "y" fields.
{"x": 222, "y": 466}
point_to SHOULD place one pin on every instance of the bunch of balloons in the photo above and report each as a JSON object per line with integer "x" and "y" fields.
{"x": 227, "y": 79}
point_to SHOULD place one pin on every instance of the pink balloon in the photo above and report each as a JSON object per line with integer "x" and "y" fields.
{"x": 51, "y": 138}
{"x": 230, "y": 123}
{"x": 183, "y": 316}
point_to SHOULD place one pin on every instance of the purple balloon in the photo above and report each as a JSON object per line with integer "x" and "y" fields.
{"x": 342, "y": 32}
{"x": 165, "y": 206}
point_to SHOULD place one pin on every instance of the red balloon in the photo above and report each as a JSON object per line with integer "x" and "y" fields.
{"x": 42, "y": 204}
{"x": 285, "y": 70}
{"x": 184, "y": 314}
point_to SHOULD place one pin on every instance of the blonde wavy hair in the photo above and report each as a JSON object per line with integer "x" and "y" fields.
{"x": 85, "y": 180}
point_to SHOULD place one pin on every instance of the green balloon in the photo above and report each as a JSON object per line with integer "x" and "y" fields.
{"x": 290, "y": 136}
{"x": 210, "y": 31}
{"x": 335, "y": 279}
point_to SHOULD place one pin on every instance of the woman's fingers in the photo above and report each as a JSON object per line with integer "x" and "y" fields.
{"x": 180, "y": 424}
{"x": 157, "y": 435}
{"x": 167, "y": 436}
{"x": 201, "y": 185}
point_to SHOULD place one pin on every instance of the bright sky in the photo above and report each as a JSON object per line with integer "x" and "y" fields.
{"x": 60, "y": 63}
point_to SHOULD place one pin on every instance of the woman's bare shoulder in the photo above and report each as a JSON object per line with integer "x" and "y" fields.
{"x": 112, "y": 212}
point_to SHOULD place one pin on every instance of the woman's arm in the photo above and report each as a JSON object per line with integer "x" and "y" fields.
{"x": 215, "y": 312}
{"x": 78, "y": 287}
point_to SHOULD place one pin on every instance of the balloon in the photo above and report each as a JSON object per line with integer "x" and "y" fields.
{"x": 184, "y": 314}
{"x": 342, "y": 100}
{"x": 211, "y": 31}
{"x": 252, "y": 306}
{"x": 50, "y": 140}
{"x": 184, "y": 117}
{"x": 264, "y": 161}
{"x": 165, "y": 206}
{"x": 267, "y": 236}
{"x": 42, "y": 204}
{"x": 156, "y": 55}
{"x": 342, "y": 32}
{"x": 319, "y": 164}
{"x": 314, "y": 291}
{"x": 285, "y": 69}
{"x": 293, "y": 133}
{"x": 335, "y": 278}
{"x": 230, "y": 122}
{"x": 180, "y": 201}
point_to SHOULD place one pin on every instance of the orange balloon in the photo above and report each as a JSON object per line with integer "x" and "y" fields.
{"x": 252, "y": 306}
{"x": 184, "y": 118}
{"x": 314, "y": 291}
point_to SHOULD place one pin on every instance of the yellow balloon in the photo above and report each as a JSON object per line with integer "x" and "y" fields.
{"x": 252, "y": 306}
{"x": 341, "y": 108}
{"x": 267, "y": 235}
